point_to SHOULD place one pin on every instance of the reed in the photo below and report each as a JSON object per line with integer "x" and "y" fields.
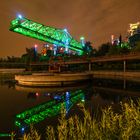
{"x": 112, "y": 126}
{"x": 33, "y": 135}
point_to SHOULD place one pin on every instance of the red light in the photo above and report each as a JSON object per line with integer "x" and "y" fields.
{"x": 35, "y": 45}
{"x": 37, "y": 94}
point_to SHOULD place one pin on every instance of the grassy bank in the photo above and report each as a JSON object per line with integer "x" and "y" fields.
{"x": 124, "y": 125}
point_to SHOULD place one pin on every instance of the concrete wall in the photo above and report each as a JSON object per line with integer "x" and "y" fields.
{"x": 11, "y": 70}
{"x": 47, "y": 80}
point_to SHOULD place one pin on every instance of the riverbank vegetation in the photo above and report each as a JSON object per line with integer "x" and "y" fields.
{"x": 110, "y": 125}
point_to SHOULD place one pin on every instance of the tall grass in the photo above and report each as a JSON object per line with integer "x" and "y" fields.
{"x": 111, "y": 126}
{"x": 33, "y": 135}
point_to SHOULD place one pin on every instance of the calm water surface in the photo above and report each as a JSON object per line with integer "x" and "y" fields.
{"x": 37, "y": 102}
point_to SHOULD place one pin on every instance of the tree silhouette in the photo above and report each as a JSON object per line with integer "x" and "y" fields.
{"x": 88, "y": 48}
{"x": 104, "y": 49}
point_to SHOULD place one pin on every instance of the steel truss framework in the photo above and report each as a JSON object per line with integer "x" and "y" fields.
{"x": 48, "y": 34}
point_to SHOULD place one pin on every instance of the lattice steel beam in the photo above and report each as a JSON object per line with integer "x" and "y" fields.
{"x": 45, "y": 33}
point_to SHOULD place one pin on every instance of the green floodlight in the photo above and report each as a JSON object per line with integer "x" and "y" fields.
{"x": 7, "y": 134}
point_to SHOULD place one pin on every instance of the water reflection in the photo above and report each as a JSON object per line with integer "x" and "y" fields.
{"x": 34, "y": 105}
{"x": 32, "y": 95}
{"x": 48, "y": 109}
{"x": 100, "y": 92}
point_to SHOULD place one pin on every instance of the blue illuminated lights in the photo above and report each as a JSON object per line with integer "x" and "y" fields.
{"x": 67, "y": 93}
{"x": 67, "y": 45}
{"x": 22, "y": 130}
{"x": 57, "y": 97}
{"x": 55, "y": 49}
{"x": 65, "y": 30}
{"x": 67, "y": 102}
{"x": 20, "y": 16}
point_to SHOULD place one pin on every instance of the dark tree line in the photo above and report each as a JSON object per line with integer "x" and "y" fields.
{"x": 104, "y": 49}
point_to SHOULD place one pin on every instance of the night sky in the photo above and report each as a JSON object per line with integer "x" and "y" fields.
{"x": 96, "y": 20}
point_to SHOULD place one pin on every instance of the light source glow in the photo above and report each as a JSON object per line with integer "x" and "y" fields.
{"x": 65, "y": 30}
{"x": 20, "y": 16}
{"x": 36, "y": 46}
{"x": 82, "y": 38}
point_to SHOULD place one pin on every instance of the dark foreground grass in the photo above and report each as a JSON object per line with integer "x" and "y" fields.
{"x": 111, "y": 126}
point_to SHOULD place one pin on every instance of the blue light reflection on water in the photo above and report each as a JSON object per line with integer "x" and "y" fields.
{"x": 67, "y": 101}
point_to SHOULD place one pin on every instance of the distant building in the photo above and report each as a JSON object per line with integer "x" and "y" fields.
{"x": 134, "y": 28}
{"x": 134, "y": 33}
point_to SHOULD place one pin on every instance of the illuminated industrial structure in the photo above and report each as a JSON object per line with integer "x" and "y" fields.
{"x": 59, "y": 37}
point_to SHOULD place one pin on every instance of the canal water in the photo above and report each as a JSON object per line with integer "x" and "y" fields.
{"x": 20, "y": 106}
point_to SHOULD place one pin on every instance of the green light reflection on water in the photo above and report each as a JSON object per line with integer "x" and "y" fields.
{"x": 46, "y": 110}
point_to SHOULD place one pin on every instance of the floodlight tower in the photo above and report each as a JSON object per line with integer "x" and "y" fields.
{"x": 54, "y": 49}
{"x": 67, "y": 41}
{"x": 82, "y": 41}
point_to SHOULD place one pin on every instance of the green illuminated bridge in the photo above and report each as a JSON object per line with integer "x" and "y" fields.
{"x": 48, "y": 109}
{"x": 48, "y": 34}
